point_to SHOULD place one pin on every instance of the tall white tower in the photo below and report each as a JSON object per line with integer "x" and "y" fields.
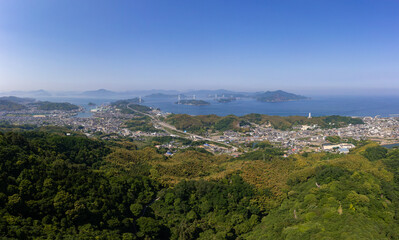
{"x": 310, "y": 115}
{"x": 178, "y": 99}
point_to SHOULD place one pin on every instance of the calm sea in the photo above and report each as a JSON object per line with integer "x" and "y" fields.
{"x": 317, "y": 106}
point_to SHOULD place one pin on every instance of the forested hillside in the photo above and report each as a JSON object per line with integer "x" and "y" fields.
{"x": 202, "y": 123}
{"x": 6, "y": 105}
{"x": 57, "y": 186}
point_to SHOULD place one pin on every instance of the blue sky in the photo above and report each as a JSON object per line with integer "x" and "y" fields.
{"x": 299, "y": 46}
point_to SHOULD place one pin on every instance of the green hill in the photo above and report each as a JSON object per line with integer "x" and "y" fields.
{"x": 6, "y": 105}
{"x": 70, "y": 187}
{"x": 132, "y": 103}
{"x": 18, "y": 99}
{"x": 51, "y": 106}
{"x": 202, "y": 123}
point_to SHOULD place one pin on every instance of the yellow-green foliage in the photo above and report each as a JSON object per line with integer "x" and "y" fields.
{"x": 271, "y": 175}
{"x": 363, "y": 148}
{"x": 340, "y": 198}
{"x": 360, "y": 163}
{"x": 127, "y": 158}
{"x": 189, "y": 164}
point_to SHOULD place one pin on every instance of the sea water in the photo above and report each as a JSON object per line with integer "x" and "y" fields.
{"x": 317, "y": 106}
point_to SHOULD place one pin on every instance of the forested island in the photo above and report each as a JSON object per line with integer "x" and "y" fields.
{"x": 226, "y": 100}
{"x": 57, "y": 186}
{"x": 193, "y": 102}
{"x": 278, "y": 96}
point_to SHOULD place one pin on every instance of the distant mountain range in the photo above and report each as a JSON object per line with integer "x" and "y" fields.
{"x": 217, "y": 93}
{"x": 225, "y": 96}
{"x": 266, "y": 96}
{"x": 99, "y": 93}
{"x": 37, "y": 93}
{"x": 161, "y": 95}
{"x": 103, "y": 93}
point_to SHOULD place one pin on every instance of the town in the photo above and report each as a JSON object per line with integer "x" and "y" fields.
{"x": 108, "y": 121}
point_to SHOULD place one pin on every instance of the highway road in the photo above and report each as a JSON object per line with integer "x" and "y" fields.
{"x": 170, "y": 129}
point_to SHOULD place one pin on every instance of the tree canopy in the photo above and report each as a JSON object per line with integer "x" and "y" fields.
{"x": 56, "y": 186}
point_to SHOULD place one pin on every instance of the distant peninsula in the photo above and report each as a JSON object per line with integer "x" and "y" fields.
{"x": 130, "y": 106}
{"x": 193, "y": 102}
{"x": 13, "y": 103}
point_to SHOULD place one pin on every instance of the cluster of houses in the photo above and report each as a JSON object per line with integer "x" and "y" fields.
{"x": 341, "y": 147}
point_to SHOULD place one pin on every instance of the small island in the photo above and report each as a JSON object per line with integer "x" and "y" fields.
{"x": 193, "y": 102}
{"x": 226, "y": 100}
{"x": 91, "y": 104}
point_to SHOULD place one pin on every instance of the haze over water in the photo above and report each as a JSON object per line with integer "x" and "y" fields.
{"x": 317, "y": 106}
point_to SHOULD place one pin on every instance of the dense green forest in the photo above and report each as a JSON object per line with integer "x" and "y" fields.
{"x": 56, "y": 186}
{"x": 202, "y": 123}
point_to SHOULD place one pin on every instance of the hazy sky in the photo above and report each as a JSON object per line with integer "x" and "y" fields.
{"x": 199, "y": 44}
